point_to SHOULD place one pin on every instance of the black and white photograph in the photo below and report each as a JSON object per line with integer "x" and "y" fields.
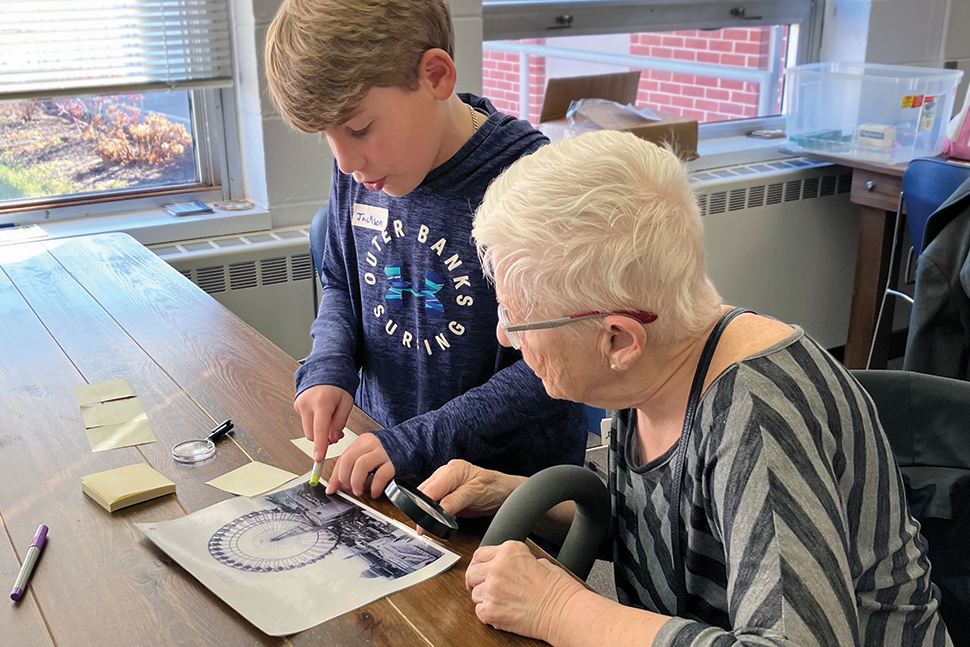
{"x": 297, "y": 557}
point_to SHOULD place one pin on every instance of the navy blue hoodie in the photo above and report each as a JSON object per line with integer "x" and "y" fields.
{"x": 405, "y": 302}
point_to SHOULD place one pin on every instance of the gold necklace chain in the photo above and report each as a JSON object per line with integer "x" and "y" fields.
{"x": 474, "y": 119}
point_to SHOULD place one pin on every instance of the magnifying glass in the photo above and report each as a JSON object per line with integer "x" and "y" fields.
{"x": 194, "y": 451}
{"x": 422, "y": 510}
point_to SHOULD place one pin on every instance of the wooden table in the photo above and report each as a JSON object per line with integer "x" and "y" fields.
{"x": 103, "y": 307}
{"x": 875, "y": 188}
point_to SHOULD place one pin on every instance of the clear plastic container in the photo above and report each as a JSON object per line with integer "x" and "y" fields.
{"x": 881, "y": 113}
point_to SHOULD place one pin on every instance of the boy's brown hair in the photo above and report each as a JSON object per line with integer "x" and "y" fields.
{"x": 323, "y": 56}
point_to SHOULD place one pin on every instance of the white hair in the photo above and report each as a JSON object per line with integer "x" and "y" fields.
{"x": 604, "y": 221}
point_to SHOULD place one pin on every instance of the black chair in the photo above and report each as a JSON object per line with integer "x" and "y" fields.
{"x": 927, "y": 421}
{"x": 318, "y": 241}
{"x": 927, "y": 183}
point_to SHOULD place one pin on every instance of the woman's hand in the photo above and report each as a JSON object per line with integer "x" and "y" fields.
{"x": 465, "y": 490}
{"x": 514, "y": 591}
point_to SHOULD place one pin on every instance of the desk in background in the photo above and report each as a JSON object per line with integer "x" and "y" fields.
{"x": 875, "y": 188}
{"x": 102, "y": 307}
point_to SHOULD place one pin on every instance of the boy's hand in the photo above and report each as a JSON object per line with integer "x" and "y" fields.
{"x": 465, "y": 490}
{"x": 324, "y": 411}
{"x": 365, "y": 455}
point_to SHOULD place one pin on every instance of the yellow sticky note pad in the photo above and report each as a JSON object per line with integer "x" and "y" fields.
{"x": 104, "y": 391}
{"x": 125, "y": 486}
{"x": 136, "y": 431}
{"x": 333, "y": 451}
{"x": 111, "y": 413}
{"x": 252, "y": 480}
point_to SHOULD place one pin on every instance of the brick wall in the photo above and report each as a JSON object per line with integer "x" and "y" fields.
{"x": 697, "y": 97}
{"x": 500, "y": 79}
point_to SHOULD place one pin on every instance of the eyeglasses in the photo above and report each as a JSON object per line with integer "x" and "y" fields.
{"x": 512, "y": 330}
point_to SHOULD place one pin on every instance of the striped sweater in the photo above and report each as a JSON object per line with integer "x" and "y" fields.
{"x": 794, "y": 521}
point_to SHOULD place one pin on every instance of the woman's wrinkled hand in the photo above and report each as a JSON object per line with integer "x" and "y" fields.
{"x": 465, "y": 490}
{"x": 514, "y": 591}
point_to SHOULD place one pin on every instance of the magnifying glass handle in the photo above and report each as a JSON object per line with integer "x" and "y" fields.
{"x": 220, "y": 432}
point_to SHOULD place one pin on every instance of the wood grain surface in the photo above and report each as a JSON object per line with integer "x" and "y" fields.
{"x": 89, "y": 309}
{"x": 20, "y": 622}
{"x": 871, "y": 189}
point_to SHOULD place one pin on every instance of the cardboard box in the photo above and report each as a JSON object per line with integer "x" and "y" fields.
{"x": 621, "y": 88}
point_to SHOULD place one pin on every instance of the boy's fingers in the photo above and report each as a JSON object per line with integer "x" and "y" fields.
{"x": 321, "y": 439}
{"x": 335, "y": 477}
{"x": 339, "y": 419}
{"x": 306, "y": 419}
{"x": 320, "y": 445}
{"x": 383, "y": 474}
{"x": 363, "y": 466}
{"x": 333, "y": 484}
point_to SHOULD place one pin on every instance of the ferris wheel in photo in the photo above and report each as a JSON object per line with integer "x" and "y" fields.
{"x": 270, "y": 541}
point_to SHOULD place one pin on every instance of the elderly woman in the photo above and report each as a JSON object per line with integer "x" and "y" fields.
{"x": 755, "y": 497}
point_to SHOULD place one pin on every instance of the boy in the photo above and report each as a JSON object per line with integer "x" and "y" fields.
{"x": 405, "y": 301}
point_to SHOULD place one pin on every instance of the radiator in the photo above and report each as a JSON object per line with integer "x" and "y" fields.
{"x": 781, "y": 240}
{"x": 265, "y": 278}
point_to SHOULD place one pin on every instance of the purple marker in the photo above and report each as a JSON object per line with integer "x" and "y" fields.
{"x": 29, "y": 560}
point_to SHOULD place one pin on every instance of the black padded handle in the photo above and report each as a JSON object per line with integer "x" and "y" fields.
{"x": 543, "y": 491}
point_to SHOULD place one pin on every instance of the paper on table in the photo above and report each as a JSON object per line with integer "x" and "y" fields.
{"x": 111, "y": 413}
{"x": 104, "y": 391}
{"x": 134, "y": 432}
{"x": 297, "y": 557}
{"x": 333, "y": 451}
{"x": 252, "y": 480}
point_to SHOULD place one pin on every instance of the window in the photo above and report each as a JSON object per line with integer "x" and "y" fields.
{"x": 106, "y": 101}
{"x": 712, "y": 61}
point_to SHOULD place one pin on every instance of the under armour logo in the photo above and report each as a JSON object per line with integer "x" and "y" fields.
{"x": 432, "y": 285}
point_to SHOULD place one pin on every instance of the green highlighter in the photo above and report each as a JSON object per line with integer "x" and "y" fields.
{"x": 315, "y": 476}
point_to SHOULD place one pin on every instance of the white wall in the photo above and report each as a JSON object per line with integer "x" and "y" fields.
{"x": 927, "y": 33}
{"x": 956, "y": 45}
{"x": 288, "y": 171}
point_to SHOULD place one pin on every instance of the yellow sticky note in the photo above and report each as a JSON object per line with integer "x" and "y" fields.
{"x": 134, "y": 432}
{"x": 252, "y": 480}
{"x": 111, "y": 413}
{"x": 125, "y": 486}
{"x": 333, "y": 451}
{"x": 104, "y": 391}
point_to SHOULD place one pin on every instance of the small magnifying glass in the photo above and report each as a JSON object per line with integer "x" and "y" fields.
{"x": 422, "y": 510}
{"x": 194, "y": 451}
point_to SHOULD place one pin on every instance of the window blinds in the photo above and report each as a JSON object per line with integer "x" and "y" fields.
{"x": 80, "y": 47}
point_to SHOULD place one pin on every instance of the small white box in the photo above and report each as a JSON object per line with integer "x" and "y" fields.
{"x": 877, "y": 135}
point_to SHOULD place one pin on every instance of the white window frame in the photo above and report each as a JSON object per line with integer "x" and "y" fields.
{"x": 219, "y": 171}
{"x": 218, "y": 165}
{"x": 522, "y": 19}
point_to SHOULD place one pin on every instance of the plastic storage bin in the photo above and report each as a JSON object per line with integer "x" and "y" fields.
{"x": 881, "y": 113}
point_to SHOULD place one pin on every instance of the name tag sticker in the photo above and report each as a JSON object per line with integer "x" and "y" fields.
{"x": 369, "y": 217}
